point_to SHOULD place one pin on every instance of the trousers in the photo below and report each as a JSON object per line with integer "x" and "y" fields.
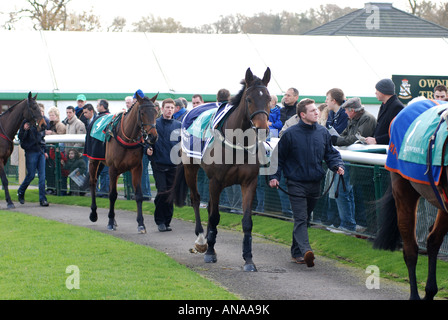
{"x": 303, "y": 199}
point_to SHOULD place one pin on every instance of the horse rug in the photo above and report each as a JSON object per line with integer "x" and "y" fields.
{"x": 410, "y": 134}
{"x": 95, "y": 147}
{"x": 198, "y": 126}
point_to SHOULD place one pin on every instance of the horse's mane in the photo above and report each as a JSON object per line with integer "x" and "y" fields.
{"x": 10, "y": 108}
{"x": 235, "y": 101}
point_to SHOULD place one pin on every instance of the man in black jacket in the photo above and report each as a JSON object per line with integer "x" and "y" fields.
{"x": 289, "y": 104}
{"x": 32, "y": 141}
{"x": 390, "y": 107}
{"x": 301, "y": 150}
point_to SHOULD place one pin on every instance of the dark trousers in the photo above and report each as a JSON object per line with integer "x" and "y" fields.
{"x": 164, "y": 178}
{"x": 303, "y": 198}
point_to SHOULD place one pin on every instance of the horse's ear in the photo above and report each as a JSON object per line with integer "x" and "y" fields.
{"x": 153, "y": 99}
{"x": 139, "y": 99}
{"x": 266, "y": 77}
{"x": 35, "y": 97}
{"x": 29, "y": 95}
{"x": 249, "y": 76}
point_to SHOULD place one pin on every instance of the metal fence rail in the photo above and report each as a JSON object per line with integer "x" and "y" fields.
{"x": 367, "y": 176}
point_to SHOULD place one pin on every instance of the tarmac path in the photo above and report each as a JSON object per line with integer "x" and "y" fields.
{"x": 277, "y": 277}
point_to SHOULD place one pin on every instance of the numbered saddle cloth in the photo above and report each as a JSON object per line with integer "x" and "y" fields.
{"x": 410, "y": 132}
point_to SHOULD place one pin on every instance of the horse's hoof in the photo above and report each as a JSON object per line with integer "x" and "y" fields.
{"x": 111, "y": 227}
{"x": 93, "y": 217}
{"x": 201, "y": 248}
{"x": 250, "y": 267}
{"x": 11, "y": 206}
{"x": 210, "y": 258}
{"x": 141, "y": 229}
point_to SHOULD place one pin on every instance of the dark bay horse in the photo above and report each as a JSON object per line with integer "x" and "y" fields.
{"x": 123, "y": 153}
{"x": 249, "y": 118}
{"x": 10, "y": 122}
{"x": 412, "y": 181}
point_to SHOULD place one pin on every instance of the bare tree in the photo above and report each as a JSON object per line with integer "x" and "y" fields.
{"x": 46, "y": 14}
{"x": 117, "y": 25}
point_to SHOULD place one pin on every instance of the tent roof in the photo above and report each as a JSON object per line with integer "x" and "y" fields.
{"x": 59, "y": 65}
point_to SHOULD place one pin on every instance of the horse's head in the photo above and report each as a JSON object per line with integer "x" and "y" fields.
{"x": 257, "y": 100}
{"x": 147, "y": 115}
{"x": 33, "y": 114}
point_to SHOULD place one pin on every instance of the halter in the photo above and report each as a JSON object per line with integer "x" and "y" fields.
{"x": 250, "y": 116}
{"x": 144, "y": 134}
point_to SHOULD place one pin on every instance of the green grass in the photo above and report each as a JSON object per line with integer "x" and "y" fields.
{"x": 350, "y": 250}
{"x": 35, "y": 253}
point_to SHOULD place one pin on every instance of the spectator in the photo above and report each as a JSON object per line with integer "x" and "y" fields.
{"x": 197, "y": 100}
{"x": 440, "y": 92}
{"x": 323, "y": 114}
{"x": 79, "y": 110}
{"x": 179, "y": 110}
{"x": 361, "y": 124}
{"x": 75, "y": 162}
{"x": 89, "y": 114}
{"x": 74, "y": 126}
{"x": 33, "y": 142}
{"x": 163, "y": 168}
{"x": 129, "y": 101}
{"x": 301, "y": 165}
{"x": 289, "y": 104}
{"x": 55, "y": 127}
{"x": 337, "y": 118}
{"x": 390, "y": 107}
{"x": 275, "y": 124}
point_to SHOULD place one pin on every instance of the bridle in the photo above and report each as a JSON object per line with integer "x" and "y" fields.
{"x": 144, "y": 134}
{"x": 250, "y": 116}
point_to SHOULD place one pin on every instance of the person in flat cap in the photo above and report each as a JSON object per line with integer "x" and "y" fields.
{"x": 390, "y": 107}
{"x": 360, "y": 123}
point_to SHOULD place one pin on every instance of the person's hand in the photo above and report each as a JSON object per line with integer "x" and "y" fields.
{"x": 149, "y": 151}
{"x": 340, "y": 171}
{"x": 370, "y": 140}
{"x": 274, "y": 183}
{"x": 26, "y": 126}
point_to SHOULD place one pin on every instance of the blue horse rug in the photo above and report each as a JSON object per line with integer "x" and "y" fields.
{"x": 198, "y": 126}
{"x": 410, "y": 134}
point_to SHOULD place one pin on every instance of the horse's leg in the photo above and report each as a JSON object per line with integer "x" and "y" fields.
{"x": 113, "y": 177}
{"x": 191, "y": 174}
{"x": 213, "y": 220}
{"x": 406, "y": 200}
{"x": 93, "y": 169}
{"x": 248, "y": 191}
{"x": 434, "y": 241}
{"x": 5, "y": 186}
{"x": 136, "y": 182}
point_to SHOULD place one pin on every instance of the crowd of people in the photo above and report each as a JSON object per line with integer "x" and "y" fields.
{"x": 308, "y": 135}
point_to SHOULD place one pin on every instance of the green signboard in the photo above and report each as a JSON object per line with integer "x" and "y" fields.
{"x": 408, "y": 87}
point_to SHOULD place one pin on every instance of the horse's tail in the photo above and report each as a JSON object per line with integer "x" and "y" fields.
{"x": 179, "y": 191}
{"x": 388, "y": 235}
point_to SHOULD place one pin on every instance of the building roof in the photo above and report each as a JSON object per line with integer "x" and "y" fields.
{"x": 379, "y": 19}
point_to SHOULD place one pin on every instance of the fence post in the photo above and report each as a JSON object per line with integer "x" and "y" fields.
{"x": 22, "y": 164}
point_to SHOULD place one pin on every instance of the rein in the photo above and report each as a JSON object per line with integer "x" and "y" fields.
{"x": 341, "y": 179}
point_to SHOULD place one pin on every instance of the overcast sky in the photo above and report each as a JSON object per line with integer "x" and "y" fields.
{"x": 191, "y": 12}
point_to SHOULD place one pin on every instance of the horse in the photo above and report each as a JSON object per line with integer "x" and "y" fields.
{"x": 10, "y": 122}
{"x": 412, "y": 181}
{"x": 124, "y": 152}
{"x": 250, "y": 114}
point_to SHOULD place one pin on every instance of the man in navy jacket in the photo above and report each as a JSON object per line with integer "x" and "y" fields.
{"x": 301, "y": 150}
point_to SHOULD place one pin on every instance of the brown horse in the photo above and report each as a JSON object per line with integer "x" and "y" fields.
{"x": 399, "y": 207}
{"x": 249, "y": 118}
{"x": 124, "y": 152}
{"x": 10, "y": 122}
